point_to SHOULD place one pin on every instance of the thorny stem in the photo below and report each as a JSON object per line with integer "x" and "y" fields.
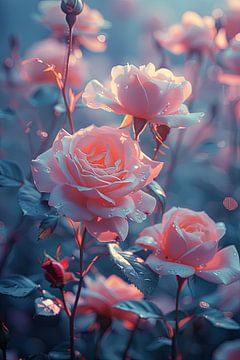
{"x": 130, "y": 340}
{"x": 65, "y": 77}
{"x": 80, "y": 283}
{"x": 180, "y": 282}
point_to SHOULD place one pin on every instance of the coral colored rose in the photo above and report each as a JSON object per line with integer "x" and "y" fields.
{"x": 230, "y": 61}
{"x": 231, "y": 21}
{"x": 96, "y": 176}
{"x": 186, "y": 243}
{"x": 101, "y": 294}
{"x": 229, "y": 350}
{"x": 86, "y": 31}
{"x": 194, "y": 34}
{"x": 152, "y": 95}
{"x": 53, "y": 53}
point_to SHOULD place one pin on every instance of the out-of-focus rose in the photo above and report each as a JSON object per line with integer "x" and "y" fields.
{"x": 96, "y": 176}
{"x": 53, "y": 52}
{"x": 86, "y": 31}
{"x": 230, "y": 60}
{"x": 231, "y": 21}
{"x": 186, "y": 243}
{"x": 101, "y": 294}
{"x": 147, "y": 94}
{"x": 55, "y": 272}
{"x": 195, "y": 34}
{"x": 229, "y": 350}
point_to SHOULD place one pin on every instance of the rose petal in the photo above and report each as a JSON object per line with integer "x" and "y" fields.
{"x": 179, "y": 120}
{"x": 162, "y": 267}
{"x": 107, "y": 230}
{"x": 147, "y": 242}
{"x": 224, "y": 268}
{"x": 200, "y": 254}
{"x": 70, "y": 202}
{"x": 123, "y": 207}
{"x": 96, "y": 96}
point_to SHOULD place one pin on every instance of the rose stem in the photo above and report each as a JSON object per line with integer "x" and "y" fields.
{"x": 67, "y": 311}
{"x": 130, "y": 340}
{"x": 80, "y": 283}
{"x": 180, "y": 282}
{"x": 65, "y": 77}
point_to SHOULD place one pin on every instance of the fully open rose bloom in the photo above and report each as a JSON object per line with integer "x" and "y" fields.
{"x": 96, "y": 176}
{"x": 230, "y": 60}
{"x": 155, "y": 96}
{"x": 101, "y": 294}
{"x": 52, "y": 52}
{"x": 194, "y": 34}
{"x": 86, "y": 31}
{"x": 186, "y": 243}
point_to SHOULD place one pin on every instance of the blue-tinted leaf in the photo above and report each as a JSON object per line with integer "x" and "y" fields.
{"x": 10, "y": 174}
{"x": 47, "y": 226}
{"x": 17, "y": 286}
{"x": 134, "y": 269}
{"x": 158, "y": 343}
{"x": 60, "y": 352}
{"x": 46, "y": 307}
{"x": 143, "y": 308}
{"x": 31, "y": 203}
{"x": 217, "y": 318}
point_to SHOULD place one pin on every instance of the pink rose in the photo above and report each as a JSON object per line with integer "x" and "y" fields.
{"x": 186, "y": 243}
{"x": 147, "y": 94}
{"x": 86, "y": 30}
{"x": 230, "y": 60}
{"x": 96, "y": 176}
{"x": 232, "y": 19}
{"x": 53, "y": 53}
{"x": 194, "y": 34}
{"x": 229, "y": 350}
{"x": 101, "y": 294}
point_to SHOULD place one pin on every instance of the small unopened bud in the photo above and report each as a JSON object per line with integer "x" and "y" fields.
{"x": 72, "y": 7}
{"x": 54, "y": 273}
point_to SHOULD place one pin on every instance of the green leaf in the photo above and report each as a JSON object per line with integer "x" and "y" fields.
{"x": 10, "y": 174}
{"x": 143, "y": 308}
{"x": 47, "y": 226}
{"x": 217, "y": 318}
{"x": 134, "y": 269}
{"x": 17, "y": 286}
{"x": 31, "y": 202}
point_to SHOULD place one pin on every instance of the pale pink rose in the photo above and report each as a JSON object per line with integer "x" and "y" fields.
{"x": 52, "y": 52}
{"x": 230, "y": 60}
{"x": 147, "y": 94}
{"x": 194, "y": 34}
{"x": 186, "y": 243}
{"x": 229, "y": 350}
{"x": 86, "y": 31}
{"x": 96, "y": 176}
{"x": 101, "y": 294}
{"x": 231, "y": 19}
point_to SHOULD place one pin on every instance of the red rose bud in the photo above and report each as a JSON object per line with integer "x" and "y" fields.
{"x": 55, "y": 273}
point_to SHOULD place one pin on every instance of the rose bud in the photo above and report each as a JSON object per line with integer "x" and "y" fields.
{"x": 72, "y": 7}
{"x": 55, "y": 273}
